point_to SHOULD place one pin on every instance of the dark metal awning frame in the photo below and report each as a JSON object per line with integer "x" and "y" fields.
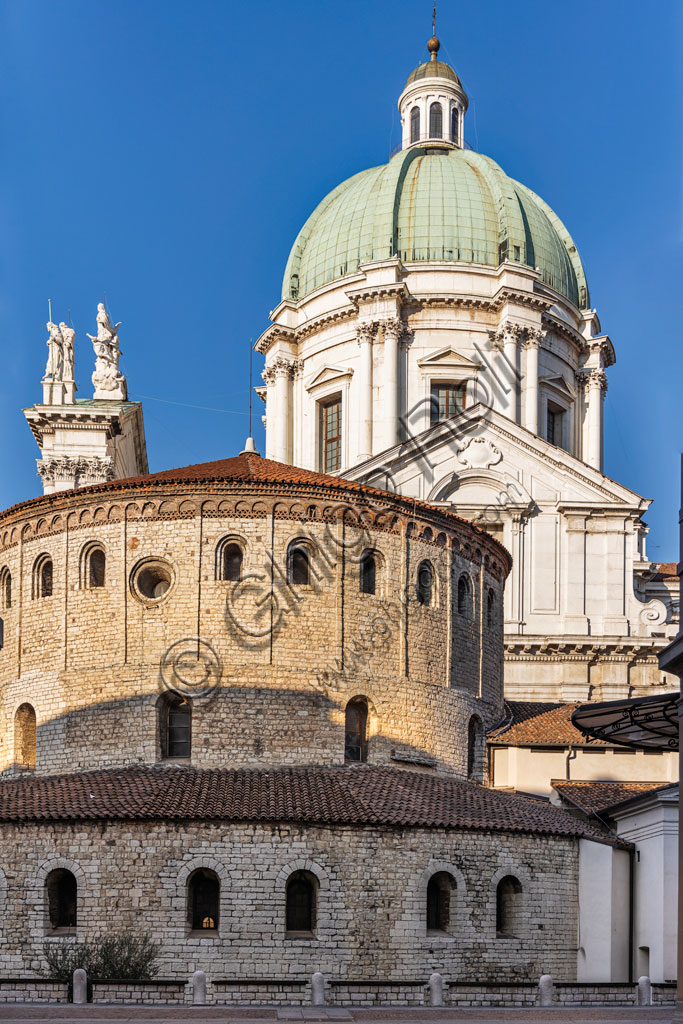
{"x": 642, "y": 723}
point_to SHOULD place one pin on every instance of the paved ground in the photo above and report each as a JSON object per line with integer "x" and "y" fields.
{"x": 13, "y": 1014}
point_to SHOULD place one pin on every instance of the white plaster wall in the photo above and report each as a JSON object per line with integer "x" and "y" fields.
{"x": 603, "y": 913}
{"x": 531, "y": 770}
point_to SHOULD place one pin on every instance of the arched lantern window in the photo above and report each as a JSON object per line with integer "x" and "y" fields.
{"x": 435, "y": 121}
{"x": 415, "y": 124}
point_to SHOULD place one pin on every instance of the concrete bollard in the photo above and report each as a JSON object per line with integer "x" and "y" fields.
{"x": 318, "y": 989}
{"x": 436, "y": 989}
{"x": 80, "y": 986}
{"x": 198, "y": 988}
{"x": 644, "y": 991}
{"x": 545, "y": 990}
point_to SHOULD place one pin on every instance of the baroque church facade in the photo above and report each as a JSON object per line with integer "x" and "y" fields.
{"x": 246, "y": 701}
{"x": 435, "y": 337}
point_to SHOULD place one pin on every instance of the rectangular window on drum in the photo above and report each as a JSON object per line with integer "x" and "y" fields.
{"x": 447, "y": 400}
{"x": 331, "y": 427}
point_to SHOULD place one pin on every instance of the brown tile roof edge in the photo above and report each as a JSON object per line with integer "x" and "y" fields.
{"x": 598, "y": 796}
{"x": 666, "y": 570}
{"x": 540, "y": 723}
{"x": 251, "y": 468}
{"x": 316, "y": 796}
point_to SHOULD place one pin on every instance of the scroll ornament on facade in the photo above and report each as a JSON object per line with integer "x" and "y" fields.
{"x": 107, "y": 379}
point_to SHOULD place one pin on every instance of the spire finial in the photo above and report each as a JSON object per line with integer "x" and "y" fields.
{"x": 433, "y": 45}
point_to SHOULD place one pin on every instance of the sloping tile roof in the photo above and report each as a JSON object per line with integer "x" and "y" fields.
{"x": 540, "y": 724}
{"x": 594, "y": 797}
{"x": 665, "y": 570}
{"x": 361, "y": 795}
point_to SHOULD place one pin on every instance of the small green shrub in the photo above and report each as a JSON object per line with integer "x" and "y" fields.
{"x": 111, "y": 958}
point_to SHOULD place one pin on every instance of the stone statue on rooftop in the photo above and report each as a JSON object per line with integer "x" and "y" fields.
{"x": 55, "y": 350}
{"x": 68, "y": 338}
{"x": 107, "y": 379}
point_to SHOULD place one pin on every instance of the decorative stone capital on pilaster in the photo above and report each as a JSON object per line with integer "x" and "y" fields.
{"x": 280, "y": 367}
{"x": 533, "y": 336}
{"x": 393, "y": 327}
{"x": 69, "y": 471}
{"x": 508, "y": 331}
{"x": 365, "y": 332}
{"x": 580, "y": 378}
{"x": 597, "y": 379}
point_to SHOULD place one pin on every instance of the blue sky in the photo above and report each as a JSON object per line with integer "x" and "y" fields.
{"x": 167, "y": 153}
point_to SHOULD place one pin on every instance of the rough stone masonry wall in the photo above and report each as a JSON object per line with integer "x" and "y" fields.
{"x": 88, "y": 660}
{"x": 371, "y": 921}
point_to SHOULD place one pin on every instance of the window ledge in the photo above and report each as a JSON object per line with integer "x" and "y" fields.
{"x": 174, "y": 760}
{"x": 58, "y": 933}
{"x": 300, "y": 935}
{"x": 438, "y": 933}
{"x": 203, "y": 933}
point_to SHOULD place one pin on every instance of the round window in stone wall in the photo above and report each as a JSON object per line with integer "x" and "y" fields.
{"x": 151, "y": 580}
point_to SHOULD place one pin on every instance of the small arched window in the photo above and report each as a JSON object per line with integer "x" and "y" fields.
{"x": 356, "y": 730}
{"x": 93, "y": 567}
{"x": 5, "y": 588}
{"x": 42, "y": 577}
{"x": 175, "y": 726}
{"x": 415, "y": 124}
{"x": 508, "y": 906}
{"x": 25, "y": 733}
{"x": 435, "y": 121}
{"x": 490, "y": 608}
{"x": 474, "y": 735}
{"x": 301, "y": 903}
{"x": 298, "y": 565}
{"x": 464, "y": 596}
{"x": 62, "y": 899}
{"x": 229, "y": 561}
{"x": 424, "y": 586}
{"x": 455, "y": 124}
{"x": 368, "y": 572}
{"x": 439, "y": 889}
{"x": 203, "y": 900}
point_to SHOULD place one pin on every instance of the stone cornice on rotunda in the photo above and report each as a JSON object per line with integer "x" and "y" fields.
{"x": 201, "y": 487}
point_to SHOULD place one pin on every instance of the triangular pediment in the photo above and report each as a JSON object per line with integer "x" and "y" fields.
{"x": 327, "y": 375}
{"x": 558, "y": 383}
{"x": 447, "y": 357}
{"x": 483, "y": 455}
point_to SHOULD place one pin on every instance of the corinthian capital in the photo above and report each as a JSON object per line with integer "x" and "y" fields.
{"x": 533, "y": 336}
{"x": 393, "y": 327}
{"x": 507, "y": 331}
{"x": 280, "y": 367}
{"x": 365, "y": 332}
{"x": 598, "y": 379}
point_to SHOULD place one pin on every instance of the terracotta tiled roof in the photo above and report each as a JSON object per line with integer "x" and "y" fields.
{"x": 250, "y": 468}
{"x": 594, "y": 797}
{"x": 531, "y": 724}
{"x": 665, "y": 570}
{"x": 361, "y": 795}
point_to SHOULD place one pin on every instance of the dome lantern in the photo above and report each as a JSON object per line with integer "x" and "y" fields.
{"x": 433, "y": 104}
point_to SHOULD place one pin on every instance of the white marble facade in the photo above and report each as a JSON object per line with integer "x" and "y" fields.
{"x": 586, "y": 613}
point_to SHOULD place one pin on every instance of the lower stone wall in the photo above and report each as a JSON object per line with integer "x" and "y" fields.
{"x": 32, "y": 990}
{"x": 138, "y": 993}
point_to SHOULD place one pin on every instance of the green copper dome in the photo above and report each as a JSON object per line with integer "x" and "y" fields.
{"x": 427, "y": 205}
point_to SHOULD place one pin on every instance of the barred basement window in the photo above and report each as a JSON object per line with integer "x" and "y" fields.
{"x": 25, "y": 734}
{"x": 439, "y": 889}
{"x": 175, "y": 726}
{"x": 5, "y": 588}
{"x": 62, "y": 899}
{"x": 301, "y": 904}
{"x": 368, "y": 573}
{"x": 356, "y": 730}
{"x": 435, "y": 121}
{"x": 42, "y": 577}
{"x": 298, "y": 565}
{"x": 424, "y": 587}
{"x": 229, "y": 558}
{"x": 508, "y": 907}
{"x": 415, "y": 124}
{"x": 203, "y": 900}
